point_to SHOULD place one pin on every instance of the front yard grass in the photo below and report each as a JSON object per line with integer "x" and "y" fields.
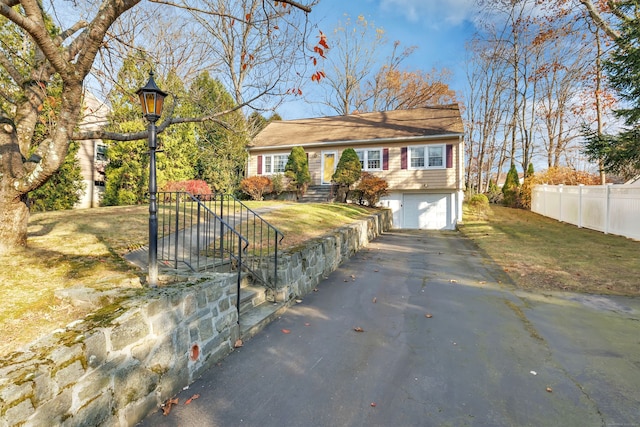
{"x": 540, "y": 253}
{"x": 85, "y": 248}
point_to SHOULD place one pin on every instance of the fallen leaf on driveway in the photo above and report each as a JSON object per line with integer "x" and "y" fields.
{"x": 192, "y": 398}
{"x": 374, "y": 300}
{"x": 358, "y": 329}
{"x": 238, "y": 343}
{"x": 453, "y": 281}
{"x": 374, "y": 404}
{"x": 286, "y": 331}
{"x": 166, "y": 406}
{"x": 307, "y": 324}
{"x": 428, "y": 315}
{"x": 549, "y": 390}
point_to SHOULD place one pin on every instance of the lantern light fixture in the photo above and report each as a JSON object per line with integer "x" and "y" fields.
{"x": 151, "y": 99}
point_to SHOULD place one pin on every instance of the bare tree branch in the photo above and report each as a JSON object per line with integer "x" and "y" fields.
{"x": 599, "y": 20}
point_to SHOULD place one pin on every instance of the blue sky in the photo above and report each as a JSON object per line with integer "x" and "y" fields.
{"x": 439, "y": 29}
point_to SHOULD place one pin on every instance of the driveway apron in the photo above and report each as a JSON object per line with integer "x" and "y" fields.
{"x": 421, "y": 329}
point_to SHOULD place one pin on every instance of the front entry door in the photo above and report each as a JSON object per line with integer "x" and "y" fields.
{"x": 328, "y": 166}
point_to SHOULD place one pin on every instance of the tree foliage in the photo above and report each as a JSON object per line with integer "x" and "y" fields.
{"x": 63, "y": 190}
{"x": 127, "y": 170}
{"x": 221, "y": 154}
{"x": 356, "y": 81}
{"x": 511, "y": 187}
{"x": 297, "y": 169}
{"x": 620, "y": 153}
{"x": 348, "y": 172}
{"x": 534, "y": 79}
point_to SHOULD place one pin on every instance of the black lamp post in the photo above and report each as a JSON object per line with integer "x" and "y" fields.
{"x": 152, "y": 99}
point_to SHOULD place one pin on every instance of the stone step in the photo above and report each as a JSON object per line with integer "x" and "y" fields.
{"x": 254, "y": 320}
{"x": 317, "y": 194}
{"x": 250, "y": 297}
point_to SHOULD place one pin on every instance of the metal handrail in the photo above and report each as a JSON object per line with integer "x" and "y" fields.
{"x": 192, "y": 235}
{"x": 263, "y": 237}
{"x": 211, "y": 218}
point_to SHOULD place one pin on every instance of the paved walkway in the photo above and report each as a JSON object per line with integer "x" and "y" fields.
{"x": 486, "y": 356}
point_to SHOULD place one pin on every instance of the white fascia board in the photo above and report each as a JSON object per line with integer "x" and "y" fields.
{"x": 409, "y": 140}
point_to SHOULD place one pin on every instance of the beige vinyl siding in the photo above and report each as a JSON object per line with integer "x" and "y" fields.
{"x": 253, "y": 161}
{"x": 397, "y": 178}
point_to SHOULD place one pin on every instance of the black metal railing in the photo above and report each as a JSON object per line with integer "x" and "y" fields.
{"x": 200, "y": 232}
{"x": 192, "y": 236}
{"x": 264, "y": 239}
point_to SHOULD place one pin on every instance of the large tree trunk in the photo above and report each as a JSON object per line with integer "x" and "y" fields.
{"x": 19, "y": 175}
{"x": 14, "y": 217}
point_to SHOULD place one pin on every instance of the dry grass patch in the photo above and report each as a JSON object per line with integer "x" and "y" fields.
{"x": 302, "y": 222}
{"x": 542, "y": 253}
{"x": 85, "y": 248}
{"x": 66, "y": 249}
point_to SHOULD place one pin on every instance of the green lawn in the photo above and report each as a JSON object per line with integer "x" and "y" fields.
{"x": 542, "y": 253}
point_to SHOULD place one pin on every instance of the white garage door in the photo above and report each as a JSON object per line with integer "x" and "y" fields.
{"x": 426, "y": 211}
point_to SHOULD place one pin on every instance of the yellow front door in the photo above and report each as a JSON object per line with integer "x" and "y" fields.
{"x": 329, "y": 166}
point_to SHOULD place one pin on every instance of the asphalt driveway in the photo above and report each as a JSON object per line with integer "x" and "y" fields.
{"x": 420, "y": 329}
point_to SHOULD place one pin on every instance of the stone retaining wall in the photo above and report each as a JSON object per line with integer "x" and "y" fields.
{"x": 118, "y": 365}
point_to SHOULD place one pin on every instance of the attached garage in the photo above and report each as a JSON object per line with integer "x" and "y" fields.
{"x": 422, "y": 211}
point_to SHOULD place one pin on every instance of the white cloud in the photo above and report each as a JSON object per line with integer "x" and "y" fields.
{"x": 432, "y": 12}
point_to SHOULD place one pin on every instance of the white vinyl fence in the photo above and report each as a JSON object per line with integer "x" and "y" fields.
{"x": 613, "y": 209}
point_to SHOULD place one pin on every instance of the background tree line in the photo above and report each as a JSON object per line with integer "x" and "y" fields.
{"x": 552, "y": 82}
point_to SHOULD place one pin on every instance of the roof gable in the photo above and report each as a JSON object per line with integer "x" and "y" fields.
{"x": 387, "y": 125}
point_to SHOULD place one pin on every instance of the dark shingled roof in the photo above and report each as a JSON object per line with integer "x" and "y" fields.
{"x": 386, "y": 125}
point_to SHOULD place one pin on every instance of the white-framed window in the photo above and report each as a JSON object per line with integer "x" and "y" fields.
{"x": 370, "y": 159}
{"x": 427, "y": 157}
{"x": 274, "y": 163}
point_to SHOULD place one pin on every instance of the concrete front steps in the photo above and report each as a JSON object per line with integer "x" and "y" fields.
{"x": 317, "y": 194}
{"x": 255, "y": 311}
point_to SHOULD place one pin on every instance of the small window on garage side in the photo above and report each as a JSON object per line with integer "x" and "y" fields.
{"x": 416, "y": 156}
{"x": 370, "y": 160}
{"x": 436, "y": 156}
{"x": 426, "y": 157}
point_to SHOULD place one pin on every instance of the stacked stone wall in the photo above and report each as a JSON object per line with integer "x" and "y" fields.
{"x": 121, "y": 363}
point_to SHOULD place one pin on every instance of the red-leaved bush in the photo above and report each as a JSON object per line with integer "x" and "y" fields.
{"x": 194, "y": 186}
{"x": 371, "y": 188}
{"x": 256, "y": 186}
